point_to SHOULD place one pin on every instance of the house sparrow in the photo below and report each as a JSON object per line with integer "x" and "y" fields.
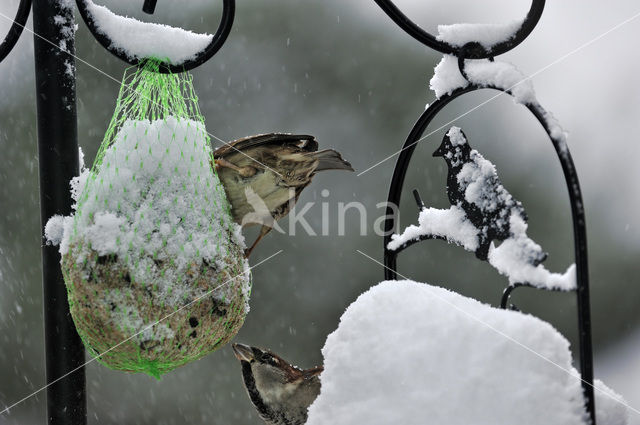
{"x": 281, "y": 393}
{"x": 264, "y": 175}
{"x": 473, "y": 185}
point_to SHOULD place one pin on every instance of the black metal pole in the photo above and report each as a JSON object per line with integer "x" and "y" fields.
{"x": 149, "y": 6}
{"x": 58, "y": 157}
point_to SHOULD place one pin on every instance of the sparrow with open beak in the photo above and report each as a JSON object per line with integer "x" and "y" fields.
{"x": 281, "y": 393}
{"x": 263, "y": 176}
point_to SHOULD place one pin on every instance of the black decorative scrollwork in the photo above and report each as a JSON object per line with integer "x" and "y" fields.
{"x": 472, "y": 51}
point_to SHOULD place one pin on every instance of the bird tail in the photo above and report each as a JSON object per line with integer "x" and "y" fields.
{"x": 329, "y": 159}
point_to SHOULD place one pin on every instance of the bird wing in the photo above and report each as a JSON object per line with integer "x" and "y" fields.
{"x": 303, "y": 141}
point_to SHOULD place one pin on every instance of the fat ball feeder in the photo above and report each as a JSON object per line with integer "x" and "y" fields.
{"x": 152, "y": 260}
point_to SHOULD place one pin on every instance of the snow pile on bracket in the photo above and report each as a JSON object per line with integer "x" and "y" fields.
{"x": 500, "y": 75}
{"x": 484, "y": 73}
{"x": 451, "y": 225}
{"x": 511, "y": 258}
{"x": 488, "y": 35}
{"x": 141, "y": 40}
{"x": 410, "y": 353}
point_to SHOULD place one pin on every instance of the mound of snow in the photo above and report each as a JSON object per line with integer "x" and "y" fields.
{"x": 410, "y": 353}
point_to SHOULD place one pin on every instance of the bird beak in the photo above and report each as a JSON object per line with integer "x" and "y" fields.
{"x": 244, "y": 353}
{"x": 316, "y": 371}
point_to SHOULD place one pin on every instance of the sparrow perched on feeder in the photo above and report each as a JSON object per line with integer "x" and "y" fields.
{"x": 263, "y": 176}
{"x": 473, "y": 185}
{"x": 281, "y": 393}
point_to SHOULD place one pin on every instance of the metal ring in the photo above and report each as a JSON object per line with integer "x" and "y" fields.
{"x": 15, "y": 31}
{"x": 228, "y": 14}
{"x": 411, "y": 28}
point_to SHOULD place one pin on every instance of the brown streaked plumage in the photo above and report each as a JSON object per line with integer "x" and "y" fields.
{"x": 281, "y": 393}
{"x": 264, "y": 175}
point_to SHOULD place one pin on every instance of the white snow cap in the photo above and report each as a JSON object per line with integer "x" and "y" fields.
{"x": 509, "y": 259}
{"x": 484, "y": 73}
{"x": 410, "y": 353}
{"x": 450, "y": 224}
{"x": 488, "y": 35}
{"x": 139, "y": 40}
{"x": 54, "y": 230}
{"x": 502, "y": 75}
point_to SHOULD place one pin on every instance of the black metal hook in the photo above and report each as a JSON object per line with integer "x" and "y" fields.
{"x": 506, "y": 294}
{"x": 16, "y": 29}
{"x": 219, "y": 38}
{"x": 424, "y": 37}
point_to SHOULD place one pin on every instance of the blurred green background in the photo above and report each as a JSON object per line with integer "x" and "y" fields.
{"x": 342, "y": 71}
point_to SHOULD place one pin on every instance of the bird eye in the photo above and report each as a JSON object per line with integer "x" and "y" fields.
{"x": 268, "y": 358}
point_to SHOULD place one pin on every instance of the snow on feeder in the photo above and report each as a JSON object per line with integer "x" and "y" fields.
{"x": 153, "y": 262}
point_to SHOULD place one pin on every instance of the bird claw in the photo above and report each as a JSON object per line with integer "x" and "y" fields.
{"x": 245, "y": 172}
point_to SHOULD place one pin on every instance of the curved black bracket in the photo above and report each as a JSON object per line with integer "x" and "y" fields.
{"x": 577, "y": 212}
{"x": 411, "y": 28}
{"x": 219, "y": 38}
{"x": 15, "y": 31}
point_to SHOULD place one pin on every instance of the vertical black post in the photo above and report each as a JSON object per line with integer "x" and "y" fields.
{"x": 149, "y": 6}
{"x": 58, "y": 155}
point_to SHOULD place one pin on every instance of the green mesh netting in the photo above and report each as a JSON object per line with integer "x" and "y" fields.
{"x": 154, "y": 264}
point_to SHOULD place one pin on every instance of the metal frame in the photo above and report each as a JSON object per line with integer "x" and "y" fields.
{"x": 475, "y": 51}
{"x": 219, "y": 38}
